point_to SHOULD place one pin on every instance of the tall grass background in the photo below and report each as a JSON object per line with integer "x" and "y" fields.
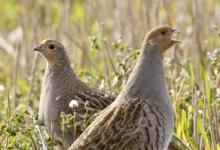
{"x": 103, "y": 40}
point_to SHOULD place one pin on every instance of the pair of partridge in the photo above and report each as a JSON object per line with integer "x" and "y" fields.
{"x": 141, "y": 117}
{"x": 61, "y": 86}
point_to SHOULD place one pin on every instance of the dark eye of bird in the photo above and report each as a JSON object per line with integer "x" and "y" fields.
{"x": 51, "y": 46}
{"x": 163, "y": 32}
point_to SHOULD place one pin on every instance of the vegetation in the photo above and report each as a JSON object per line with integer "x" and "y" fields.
{"x": 103, "y": 40}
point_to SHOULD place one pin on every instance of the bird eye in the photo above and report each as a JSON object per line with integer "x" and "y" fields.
{"x": 51, "y": 46}
{"x": 163, "y": 32}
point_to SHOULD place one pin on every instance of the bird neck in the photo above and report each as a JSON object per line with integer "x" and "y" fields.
{"x": 147, "y": 79}
{"x": 59, "y": 71}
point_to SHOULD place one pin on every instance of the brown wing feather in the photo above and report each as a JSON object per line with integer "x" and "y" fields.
{"x": 129, "y": 125}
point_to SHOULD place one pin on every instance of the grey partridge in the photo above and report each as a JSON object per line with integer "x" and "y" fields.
{"x": 60, "y": 86}
{"x": 141, "y": 117}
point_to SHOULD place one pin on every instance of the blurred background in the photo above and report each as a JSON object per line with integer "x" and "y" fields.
{"x": 103, "y": 40}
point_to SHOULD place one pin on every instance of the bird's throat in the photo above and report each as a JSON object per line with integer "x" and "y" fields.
{"x": 147, "y": 78}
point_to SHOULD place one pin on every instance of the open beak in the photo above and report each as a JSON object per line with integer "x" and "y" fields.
{"x": 38, "y": 48}
{"x": 175, "y": 30}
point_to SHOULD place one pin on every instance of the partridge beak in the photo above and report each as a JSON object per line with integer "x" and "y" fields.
{"x": 176, "y": 41}
{"x": 38, "y": 48}
{"x": 175, "y": 30}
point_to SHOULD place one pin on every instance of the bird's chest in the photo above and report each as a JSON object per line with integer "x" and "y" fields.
{"x": 55, "y": 102}
{"x": 54, "y": 95}
{"x": 48, "y": 99}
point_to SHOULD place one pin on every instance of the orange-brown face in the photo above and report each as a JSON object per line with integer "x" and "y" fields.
{"x": 161, "y": 37}
{"x": 52, "y": 50}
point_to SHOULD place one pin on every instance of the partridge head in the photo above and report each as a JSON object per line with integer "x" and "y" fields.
{"x": 53, "y": 51}
{"x": 161, "y": 38}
